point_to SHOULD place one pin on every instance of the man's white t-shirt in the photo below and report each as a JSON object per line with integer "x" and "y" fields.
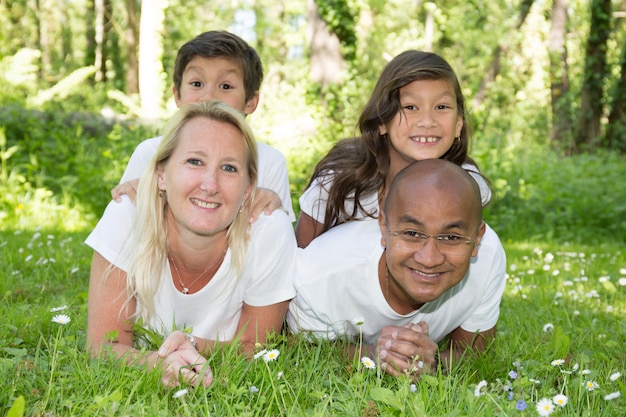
{"x": 214, "y": 311}
{"x": 314, "y": 199}
{"x": 272, "y": 169}
{"x": 338, "y": 292}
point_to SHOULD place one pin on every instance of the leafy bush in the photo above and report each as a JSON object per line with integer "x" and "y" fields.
{"x": 543, "y": 196}
{"x": 61, "y": 160}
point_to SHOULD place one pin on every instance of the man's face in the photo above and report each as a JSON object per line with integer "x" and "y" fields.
{"x": 206, "y": 79}
{"x": 422, "y": 272}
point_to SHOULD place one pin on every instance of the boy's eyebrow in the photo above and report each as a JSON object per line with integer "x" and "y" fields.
{"x": 235, "y": 71}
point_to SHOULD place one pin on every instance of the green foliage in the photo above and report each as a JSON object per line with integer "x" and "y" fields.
{"x": 341, "y": 16}
{"x": 541, "y": 196}
{"x": 58, "y": 168}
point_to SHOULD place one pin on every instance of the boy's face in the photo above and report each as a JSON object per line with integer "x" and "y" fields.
{"x": 206, "y": 79}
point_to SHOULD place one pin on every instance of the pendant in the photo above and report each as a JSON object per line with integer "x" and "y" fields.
{"x": 185, "y": 290}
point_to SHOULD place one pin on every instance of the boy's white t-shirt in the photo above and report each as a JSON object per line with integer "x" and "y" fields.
{"x": 214, "y": 311}
{"x": 337, "y": 287}
{"x": 272, "y": 169}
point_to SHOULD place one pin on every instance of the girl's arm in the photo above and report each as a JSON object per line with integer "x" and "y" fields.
{"x": 307, "y": 229}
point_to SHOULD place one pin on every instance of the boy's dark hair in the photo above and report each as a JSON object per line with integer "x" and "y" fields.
{"x": 222, "y": 44}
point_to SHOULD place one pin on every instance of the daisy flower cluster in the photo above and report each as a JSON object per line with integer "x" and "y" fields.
{"x": 523, "y": 392}
{"x": 267, "y": 355}
{"x": 61, "y": 319}
{"x": 576, "y": 289}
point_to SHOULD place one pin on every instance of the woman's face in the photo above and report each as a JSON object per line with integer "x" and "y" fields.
{"x": 206, "y": 179}
{"x": 426, "y": 126}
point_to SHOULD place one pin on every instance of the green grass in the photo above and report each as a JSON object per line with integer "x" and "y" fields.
{"x": 575, "y": 289}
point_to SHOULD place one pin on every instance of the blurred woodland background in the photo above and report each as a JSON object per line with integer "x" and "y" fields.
{"x": 82, "y": 82}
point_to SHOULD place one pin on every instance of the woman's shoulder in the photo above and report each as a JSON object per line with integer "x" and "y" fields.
{"x": 276, "y": 222}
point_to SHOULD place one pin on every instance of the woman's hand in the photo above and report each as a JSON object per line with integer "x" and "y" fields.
{"x": 128, "y": 188}
{"x": 181, "y": 362}
{"x": 406, "y": 350}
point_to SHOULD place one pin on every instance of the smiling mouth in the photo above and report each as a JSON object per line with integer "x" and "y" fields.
{"x": 426, "y": 276}
{"x": 204, "y": 204}
{"x": 424, "y": 139}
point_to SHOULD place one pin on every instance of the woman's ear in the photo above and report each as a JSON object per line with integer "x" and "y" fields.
{"x": 161, "y": 179}
{"x": 382, "y": 129}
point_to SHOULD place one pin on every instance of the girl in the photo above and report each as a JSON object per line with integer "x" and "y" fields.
{"x": 416, "y": 111}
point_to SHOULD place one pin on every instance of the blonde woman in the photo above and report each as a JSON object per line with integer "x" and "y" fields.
{"x": 191, "y": 258}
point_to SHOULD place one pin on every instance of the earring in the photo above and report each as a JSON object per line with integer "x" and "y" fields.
{"x": 160, "y": 193}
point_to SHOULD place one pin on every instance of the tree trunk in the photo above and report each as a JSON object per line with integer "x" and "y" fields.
{"x": 616, "y": 128}
{"x": 90, "y": 20}
{"x": 429, "y": 26}
{"x": 107, "y": 28}
{"x": 560, "y": 133}
{"x": 326, "y": 59}
{"x": 499, "y": 51}
{"x": 151, "y": 77}
{"x": 596, "y": 69}
{"x": 132, "y": 35}
{"x": 99, "y": 39}
{"x": 43, "y": 29}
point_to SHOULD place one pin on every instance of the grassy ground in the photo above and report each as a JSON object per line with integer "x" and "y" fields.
{"x": 561, "y": 331}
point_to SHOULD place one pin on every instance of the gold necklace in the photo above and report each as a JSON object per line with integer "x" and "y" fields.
{"x": 387, "y": 293}
{"x": 180, "y": 281}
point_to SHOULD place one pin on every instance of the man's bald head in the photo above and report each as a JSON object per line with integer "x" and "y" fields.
{"x": 427, "y": 178}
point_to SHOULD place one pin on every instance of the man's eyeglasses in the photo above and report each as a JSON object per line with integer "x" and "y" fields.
{"x": 448, "y": 243}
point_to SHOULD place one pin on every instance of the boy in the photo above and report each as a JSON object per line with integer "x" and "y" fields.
{"x": 218, "y": 65}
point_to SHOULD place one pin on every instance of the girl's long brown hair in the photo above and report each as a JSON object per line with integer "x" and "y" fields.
{"x": 359, "y": 166}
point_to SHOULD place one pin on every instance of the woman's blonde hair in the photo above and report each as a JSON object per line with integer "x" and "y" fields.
{"x": 148, "y": 239}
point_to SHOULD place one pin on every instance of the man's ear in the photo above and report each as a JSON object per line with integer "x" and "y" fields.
{"x": 252, "y": 104}
{"x": 479, "y": 237}
{"x": 382, "y": 224}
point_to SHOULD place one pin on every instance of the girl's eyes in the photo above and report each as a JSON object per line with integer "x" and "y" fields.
{"x": 437, "y": 107}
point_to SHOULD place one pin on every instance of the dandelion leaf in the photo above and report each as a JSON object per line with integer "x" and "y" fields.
{"x": 560, "y": 343}
{"x": 17, "y": 409}
{"x": 609, "y": 286}
{"x": 386, "y": 396}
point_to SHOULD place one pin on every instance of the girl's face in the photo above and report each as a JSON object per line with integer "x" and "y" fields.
{"x": 426, "y": 126}
{"x": 206, "y": 178}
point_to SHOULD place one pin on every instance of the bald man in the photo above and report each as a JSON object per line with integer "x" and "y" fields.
{"x": 428, "y": 269}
